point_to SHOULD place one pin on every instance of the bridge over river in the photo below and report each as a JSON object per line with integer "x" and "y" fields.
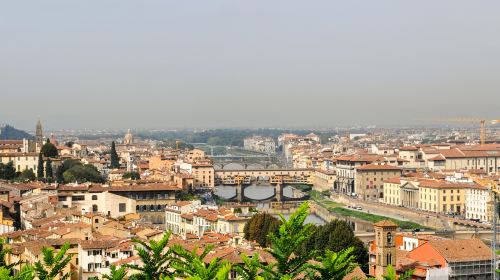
{"x": 259, "y": 193}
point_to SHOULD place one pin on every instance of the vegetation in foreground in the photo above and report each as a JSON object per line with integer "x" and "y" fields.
{"x": 160, "y": 262}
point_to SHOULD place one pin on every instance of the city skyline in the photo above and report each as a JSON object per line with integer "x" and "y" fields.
{"x": 232, "y": 64}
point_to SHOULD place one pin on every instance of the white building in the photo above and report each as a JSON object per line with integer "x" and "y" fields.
{"x": 173, "y": 220}
{"x": 477, "y": 199}
{"x": 260, "y": 144}
{"x": 96, "y": 256}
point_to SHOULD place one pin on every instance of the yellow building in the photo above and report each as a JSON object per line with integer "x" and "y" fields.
{"x": 441, "y": 196}
{"x": 369, "y": 180}
{"x": 21, "y": 161}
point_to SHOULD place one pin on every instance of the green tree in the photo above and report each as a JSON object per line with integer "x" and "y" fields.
{"x": 27, "y": 176}
{"x": 333, "y": 266}
{"x": 191, "y": 265}
{"x": 250, "y": 269}
{"x": 115, "y": 160}
{"x": 40, "y": 168}
{"x": 48, "y": 170}
{"x": 133, "y": 175}
{"x": 116, "y": 274}
{"x": 82, "y": 173}
{"x": 337, "y": 235}
{"x": 287, "y": 243}
{"x": 391, "y": 274}
{"x": 66, "y": 165}
{"x": 49, "y": 150}
{"x": 154, "y": 257}
{"x": 53, "y": 264}
{"x": 69, "y": 144}
{"x": 259, "y": 226}
{"x": 7, "y": 171}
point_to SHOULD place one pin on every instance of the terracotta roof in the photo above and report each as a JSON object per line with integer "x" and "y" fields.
{"x": 378, "y": 167}
{"x": 396, "y": 180}
{"x": 462, "y": 250}
{"x": 356, "y": 274}
{"x": 438, "y": 157}
{"x": 452, "y": 153}
{"x": 385, "y": 223}
{"x": 408, "y": 148}
{"x": 98, "y": 244}
{"x": 141, "y": 188}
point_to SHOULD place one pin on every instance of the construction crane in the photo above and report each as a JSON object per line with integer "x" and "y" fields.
{"x": 482, "y": 124}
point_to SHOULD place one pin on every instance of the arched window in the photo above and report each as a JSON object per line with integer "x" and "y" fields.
{"x": 389, "y": 258}
{"x": 94, "y": 208}
{"x": 389, "y": 238}
{"x": 94, "y": 197}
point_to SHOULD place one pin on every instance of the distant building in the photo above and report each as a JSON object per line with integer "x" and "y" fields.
{"x": 128, "y": 139}
{"x": 260, "y": 144}
{"x": 369, "y": 182}
{"x": 39, "y": 136}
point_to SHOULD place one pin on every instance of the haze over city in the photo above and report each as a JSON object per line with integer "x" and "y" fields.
{"x": 180, "y": 64}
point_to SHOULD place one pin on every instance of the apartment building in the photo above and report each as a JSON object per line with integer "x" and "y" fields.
{"x": 434, "y": 195}
{"x": 260, "y": 144}
{"x": 346, "y": 170}
{"x": 21, "y": 161}
{"x": 369, "y": 181}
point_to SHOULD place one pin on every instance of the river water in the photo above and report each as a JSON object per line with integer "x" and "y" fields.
{"x": 262, "y": 192}
{"x": 252, "y": 191}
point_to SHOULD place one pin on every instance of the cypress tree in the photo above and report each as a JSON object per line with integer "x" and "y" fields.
{"x": 48, "y": 170}
{"x": 39, "y": 170}
{"x": 115, "y": 161}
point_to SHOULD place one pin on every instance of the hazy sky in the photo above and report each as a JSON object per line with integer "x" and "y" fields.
{"x": 235, "y": 63}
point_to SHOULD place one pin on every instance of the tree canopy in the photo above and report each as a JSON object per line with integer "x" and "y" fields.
{"x": 27, "y": 175}
{"x": 49, "y": 150}
{"x": 115, "y": 160}
{"x": 83, "y": 173}
{"x": 134, "y": 175}
{"x": 7, "y": 171}
{"x": 336, "y": 236}
{"x": 259, "y": 226}
{"x": 40, "y": 169}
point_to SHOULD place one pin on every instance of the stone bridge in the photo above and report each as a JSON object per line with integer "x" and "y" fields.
{"x": 254, "y": 173}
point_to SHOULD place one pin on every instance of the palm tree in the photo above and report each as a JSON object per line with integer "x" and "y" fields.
{"x": 53, "y": 264}
{"x": 3, "y": 255}
{"x": 333, "y": 266}
{"x": 154, "y": 258}
{"x": 287, "y": 243}
{"x": 191, "y": 266}
{"x": 250, "y": 269}
{"x": 25, "y": 274}
{"x": 116, "y": 274}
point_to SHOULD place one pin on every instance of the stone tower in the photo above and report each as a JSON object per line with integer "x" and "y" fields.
{"x": 385, "y": 232}
{"x": 39, "y": 136}
{"x": 128, "y": 140}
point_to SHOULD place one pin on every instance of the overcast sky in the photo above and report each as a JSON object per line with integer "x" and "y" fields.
{"x": 236, "y": 63}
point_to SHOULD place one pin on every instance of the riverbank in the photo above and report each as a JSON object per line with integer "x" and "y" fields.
{"x": 340, "y": 210}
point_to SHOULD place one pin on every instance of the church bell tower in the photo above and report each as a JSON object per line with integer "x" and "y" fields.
{"x": 39, "y": 136}
{"x": 385, "y": 232}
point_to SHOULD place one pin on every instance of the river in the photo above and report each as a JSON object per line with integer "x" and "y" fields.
{"x": 265, "y": 191}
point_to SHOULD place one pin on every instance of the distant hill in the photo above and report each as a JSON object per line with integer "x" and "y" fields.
{"x": 8, "y": 132}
